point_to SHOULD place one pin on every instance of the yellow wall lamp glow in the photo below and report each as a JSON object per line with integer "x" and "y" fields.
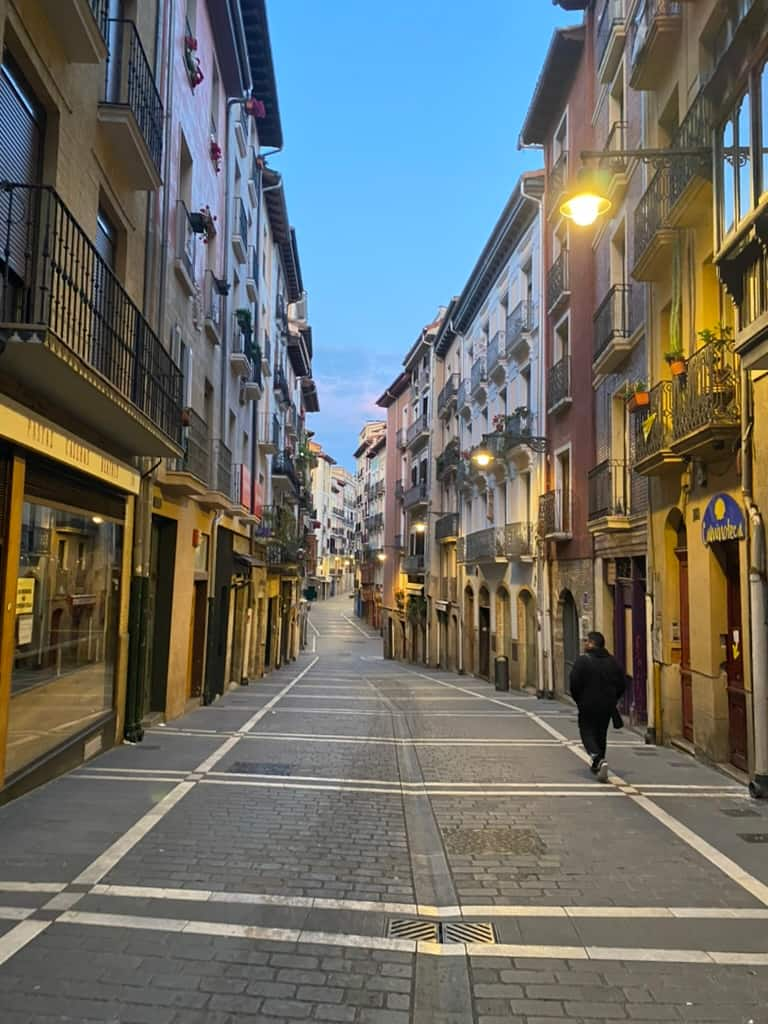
{"x": 587, "y": 200}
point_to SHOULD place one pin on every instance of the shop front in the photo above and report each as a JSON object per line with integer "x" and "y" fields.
{"x": 66, "y": 513}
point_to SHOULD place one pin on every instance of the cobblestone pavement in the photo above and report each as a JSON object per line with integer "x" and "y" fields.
{"x": 356, "y": 840}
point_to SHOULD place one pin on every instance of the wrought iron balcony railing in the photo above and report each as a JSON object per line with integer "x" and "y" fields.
{"x": 448, "y": 459}
{"x": 558, "y": 178}
{"x": 413, "y": 564}
{"x": 611, "y": 319}
{"x": 284, "y": 466}
{"x": 416, "y": 494}
{"x": 53, "y": 280}
{"x": 559, "y": 383}
{"x": 558, "y": 284}
{"x": 221, "y": 463}
{"x": 280, "y": 383}
{"x": 653, "y": 425}
{"x": 644, "y": 19}
{"x": 652, "y": 211}
{"x": 447, "y": 395}
{"x": 129, "y": 82}
{"x": 447, "y": 526}
{"x": 496, "y": 542}
{"x": 496, "y": 349}
{"x": 694, "y": 133}
{"x": 611, "y": 16}
{"x": 462, "y": 395}
{"x": 449, "y": 589}
{"x": 708, "y": 395}
{"x": 417, "y": 429}
{"x": 399, "y": 491}
{"x": 477, "y": 375}
{"x": 554, "y": 515}
{"x": 520, "y": 323}
{"x": 609, "y": 489}
{"x": 197, "y": 449}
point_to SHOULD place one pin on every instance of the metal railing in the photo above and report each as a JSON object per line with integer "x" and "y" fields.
{"x": 610, "y": 17}
{"x": 447, "y": 393}
{"x": 652, "y": 211}
{"x": 462, "y": 395}
{"x": 221, "y": 466}
{"x": 608, "y": 489}
{"x": 129, "y": 82}
{"x": 186, "y": 239}
{"x": 611, "y": 319}
{"x": 100, "y": 9}
{"x": 448, "y": 589}
{"x": 242, "y": 339}
{"x": 413, "y": 564}
{"x": 280, "y": 383}
{"x": 558, "y": 177}
{"x": 557, "y": 279}
{"x": 694, "y": 132}
{"x": 417, "y": 428}
{"x": 519, "y": 322}
{"x": 399, "y": 491}
{"x": 283, "y": 465}
{"x": 52, "y": 278}
{"x": 447, "y": 526}
{"x": 448, "y": 459}
{"x": 653, "y": 426}
{"x": 416, "y": 494}
{"x": 559, "y": 383}
{"x": 197, "y": 449}
{"x": 709, "y": 393}
{"x": 477, "y": 374}
{"x": 641, "y": 27}
{"x": 266, "y": 350}
{"x": 554, "y": 514}
{"x": 510, "y": 541}
{"x": 615, "y": 142}
{"x": 496, "y": 350}
{"x": 212, "y": 300}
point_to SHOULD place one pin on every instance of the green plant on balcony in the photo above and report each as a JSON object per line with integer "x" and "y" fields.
{"x": 417, "y": 609}
{"x": 192, "y": 62}
{"x": 636, "y": 394}
{"x": 400, "y": 600}
{"x": 244, "y": 318}
{"x": 722, "y": 381}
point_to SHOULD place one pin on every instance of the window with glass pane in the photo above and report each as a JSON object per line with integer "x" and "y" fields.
{"x": 745, "y": 162}
{"x": 67, "y": 622}
{"x": 727, "y": 179}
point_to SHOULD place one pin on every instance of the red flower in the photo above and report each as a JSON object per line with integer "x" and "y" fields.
{"x": 255, "y": 108}
{"x": 190, "y": 42}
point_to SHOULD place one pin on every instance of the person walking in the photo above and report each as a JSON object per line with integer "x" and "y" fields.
{"x": 597, "y": 685}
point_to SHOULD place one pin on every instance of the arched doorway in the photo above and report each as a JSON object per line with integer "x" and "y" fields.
{"x": 503, "y": 623}
{"x": 570, "y": 620}
{"x": 526, "y": 631}
{"x": 686, "y": 680}
{"x": 484, "y": 639}
{"x": 469, "y": 631}
{"x": 453, "y": 640}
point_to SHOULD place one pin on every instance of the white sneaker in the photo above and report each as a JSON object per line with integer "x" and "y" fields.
{"x": 602, "y": 772}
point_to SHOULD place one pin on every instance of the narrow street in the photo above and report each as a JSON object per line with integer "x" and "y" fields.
{"x": 265, "y": 859}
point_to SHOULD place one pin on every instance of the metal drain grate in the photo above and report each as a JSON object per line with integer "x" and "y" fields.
{"x": 480, "y": 932}
{"x": 739, "y": 812}
{"x": 259, "y": 768}
{"x": 411, "y": 928}
{"x": 442, "y": 932}
{"x": 754, "y": 837}
{"x": 523, "y": 842}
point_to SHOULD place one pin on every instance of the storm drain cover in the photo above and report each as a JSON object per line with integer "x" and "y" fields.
{"x": 754, "y": 837}
{"x": 442, "y": 932}
{"x": 739, "y": 812}
{"x": 520, "y": 841}
{"x": 259, "y": 768}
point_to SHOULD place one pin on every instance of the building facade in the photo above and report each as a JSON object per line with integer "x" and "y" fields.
{"x": 370, "y": 460}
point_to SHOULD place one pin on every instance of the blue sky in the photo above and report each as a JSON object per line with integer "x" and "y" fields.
{"x": 401, "y": 122}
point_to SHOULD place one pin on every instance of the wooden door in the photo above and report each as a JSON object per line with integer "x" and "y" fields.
{"x": 484, "y": 668}
{"x": 686, "y": 683}
{"x": 199, "y": 614}
{"x": 737, "y": 699}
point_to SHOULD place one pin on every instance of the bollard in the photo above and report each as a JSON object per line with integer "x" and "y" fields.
{"x": 501, "y": 667}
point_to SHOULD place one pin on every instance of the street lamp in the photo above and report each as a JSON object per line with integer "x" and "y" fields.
{"x": 419, "y": 527}
{"x": 588, "y": 199}
{"x": 381, "y": 557}
{"x": 483, "y": 457}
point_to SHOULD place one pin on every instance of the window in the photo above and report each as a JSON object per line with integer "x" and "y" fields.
{"x": 215, "y": 102}
{"x": 736, "y": 197}
{"x": 563, "y": 487}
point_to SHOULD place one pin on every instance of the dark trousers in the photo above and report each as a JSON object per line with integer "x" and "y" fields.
{"x": 593, "y": 729}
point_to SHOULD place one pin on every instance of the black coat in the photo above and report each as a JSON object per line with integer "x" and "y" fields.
{"x": 597, "y": 681}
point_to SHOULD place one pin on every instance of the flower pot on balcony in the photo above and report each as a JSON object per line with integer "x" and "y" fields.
{"x": 678, "y": 367}
{"x": 639, "y": 400}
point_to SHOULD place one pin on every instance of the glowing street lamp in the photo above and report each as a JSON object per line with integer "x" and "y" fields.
{"x": 587, "y": 201}
{"x": 482, "y": 457}
{"x": 420, "y": 527}
{"x": 381, "y": 556}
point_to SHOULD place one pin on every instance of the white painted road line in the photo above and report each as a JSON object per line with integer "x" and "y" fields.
{"x": 20, "y": 936}
{"x": 52, "y": 887}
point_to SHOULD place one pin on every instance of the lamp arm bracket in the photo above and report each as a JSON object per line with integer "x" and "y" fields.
{"x": 657, "y": 157}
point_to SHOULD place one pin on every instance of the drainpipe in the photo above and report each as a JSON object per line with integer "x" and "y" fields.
{"x": 758, "y": 604}
{"x": 545, "y": 684}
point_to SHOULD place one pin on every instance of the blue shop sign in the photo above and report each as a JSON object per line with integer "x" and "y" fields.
{"x": 723, "y": 520}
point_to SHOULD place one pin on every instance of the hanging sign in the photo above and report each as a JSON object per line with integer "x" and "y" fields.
{"x": 25, "y": 596}
{"x": 723, "y": 520}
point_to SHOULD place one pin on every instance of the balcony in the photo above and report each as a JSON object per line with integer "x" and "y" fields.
{"x": 80, "y": 28}
{"x": 740, "y": 26}
{"x": 240, "y": 231}
{"x": 554, "y": 517}
{"x": 520, "y": 323}
{"x": 446, "y": 400}
{"x": 253, "y": 183}
{"x": 416, "y": 495}
{"x": 413, "y": 565}
{"x": 559, "y": 385}
{"x": 285, "y": 479}
{"x": 611, "y": 33}
{"x": 212, "y": 313}
{"x": 496, "y": 351}
{"x": 242, "y": 129}
{"x": 240, "y": 356}
{"x": 219, "y": 493}
{"x": 448, "y": 460}
{"x": 706, "y": 404}
{"x": 130, "y": 114}
{"x": 269, "y": 433}
{"x": 557, "y": 182}
{"x": 252, "y": 386}
{"x": 653, "y": 432}
{"x": 72, "y": 335}
{"x": 266, "y": 355}
{"x": 558, "y": 285}
{"x": 495, "y": 544}
{"x": 418, "y": 433}
{"x": 653, "y": 36}
{"x": 449, "y": 589}
{"x": 612, "y": 330}
{"x": 400, "y": 438}
{"x": 690, "y": 197}
{"x": 186, "y": 247}
{"x": 653, "y": 239}
{"x": 462, "y": 398}
{"x": 478, "y": 379}
{"x": 280, "y": 384}
{"x": 252, "y": 280}
{"x": 375, "y": 522}
{"x": 609, "y": 496}
{"x": 188, "y": 475}
{"x": 447, "y": 527}
{"x": 399, "y": 491}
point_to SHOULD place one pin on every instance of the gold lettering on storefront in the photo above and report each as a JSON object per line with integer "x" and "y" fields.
{"x": 110, "y": 468}
{"x": 77, "y": 452}
{"x": 39, "y": 434}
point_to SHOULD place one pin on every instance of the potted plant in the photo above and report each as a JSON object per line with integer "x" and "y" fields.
{"x": 216, "y": 154}
{"x": 244, "y": 318}
{"x": 637, "y": 395}
{"x": 203, "y": 222}
{"x": 192, "y": 62}
{"x": 676, "y": 362}
{"x": 722, "y": 381}
{"x": 499, "y": 422}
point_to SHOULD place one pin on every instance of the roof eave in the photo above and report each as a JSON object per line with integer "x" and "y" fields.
{"x": 254, "y": 13}
{"x": 553, "y": 83}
